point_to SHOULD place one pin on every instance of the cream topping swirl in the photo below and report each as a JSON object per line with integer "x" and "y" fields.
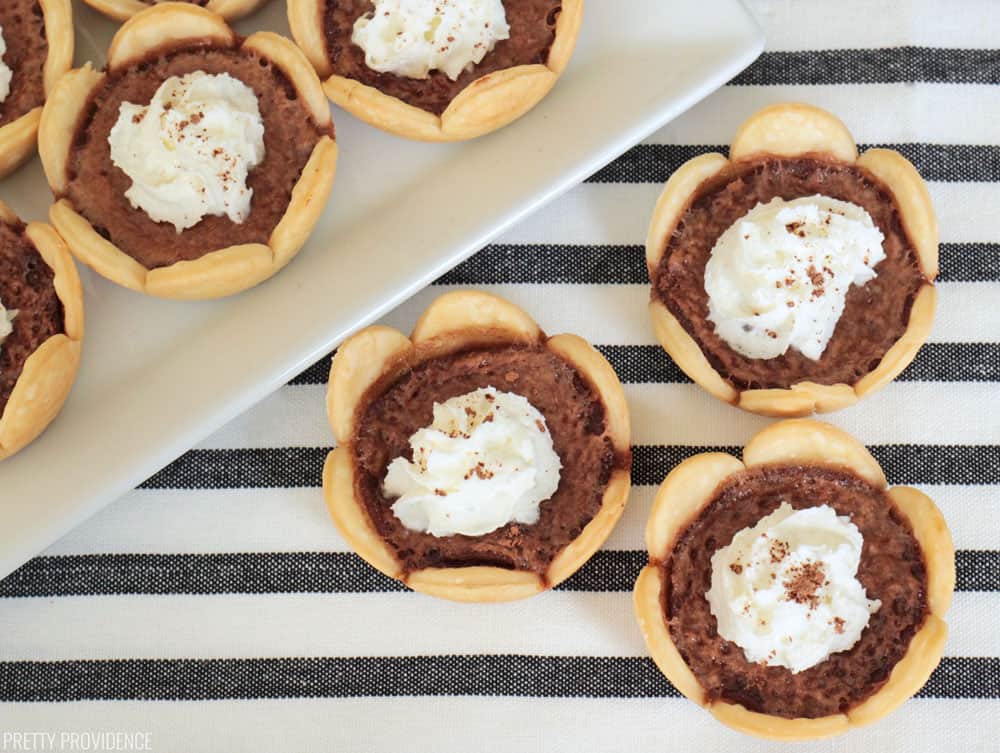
{"x": 786, "y": 590}
{"x": 6, "y": 322}
{"x": 778, "y": 277}
{"x": 6, "y": 74}
{"x": 190, "y": 150}
{"x": 414, "y": 37}
{"x": 486, "y": 460}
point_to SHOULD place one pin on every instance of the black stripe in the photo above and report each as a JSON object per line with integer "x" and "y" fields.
{"x": 566, "y": 264}
{"x": 889, "y": 65}
{"x": 649, "y": 364}
{"x": 295, "y": 467}
{"x": 946, "y": 163}
{"x": 323, "y": 572}
{"x": 335, "y": 677}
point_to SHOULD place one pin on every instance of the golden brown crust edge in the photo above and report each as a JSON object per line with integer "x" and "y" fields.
{"x": 454, "y": 320}
{"x": 789, "y": 130}
{"x": 49, "y": 372}
{"x": 485, "y": 105}
{"x": 224, "y": 271}
{"x": 692, "y": 485}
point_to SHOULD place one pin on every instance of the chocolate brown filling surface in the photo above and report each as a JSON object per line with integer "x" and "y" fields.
{"x": 97, "y": 187}
{"x": 27, "y": 48}
{"x": 532, "y": 30}
{"x": 892, "y": 569}
{"x": 875, "y": 314}
{"x": 26, "y": 285}
{"x": 575, "y": 417}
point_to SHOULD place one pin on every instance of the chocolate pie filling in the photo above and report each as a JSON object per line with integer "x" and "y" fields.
{"x": 532, "y": 30}
{"x": 27, "y": 48}
{"x": 875, "y": 315}
{"x": 97, "y": 187}
{"x": 576, "y": 420}
{"x": 892, "y": 569}
{"x": 26, "y": 284}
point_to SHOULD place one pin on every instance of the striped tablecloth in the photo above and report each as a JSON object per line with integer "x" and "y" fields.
{"x": 216, "y": 608}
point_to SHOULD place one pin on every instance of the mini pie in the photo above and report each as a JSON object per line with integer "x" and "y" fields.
{"x": 503, "y": 86}
{"x": 123, "y": 10}
{"x": 39, "y": 39}
{"x": 792, "y": 151}
{"x": 382, "y": 388}
{"x": 217, "y": 256}
{"x": 39, "y": 358}
{"x": 907, "y": 561}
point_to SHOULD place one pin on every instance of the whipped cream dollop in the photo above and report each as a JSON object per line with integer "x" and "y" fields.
{"x": 778, "y": 277}
{"x": 486, "y": 460}
{"x": 190, "y": 150}
{"x": 786, "y": 590}
{"x": 413, "y": 37}
{"x": 6, "y": 322}
{"x": 5, "y": 72}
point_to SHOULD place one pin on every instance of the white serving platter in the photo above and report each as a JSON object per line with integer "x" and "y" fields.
{"x": 159, "y": 376}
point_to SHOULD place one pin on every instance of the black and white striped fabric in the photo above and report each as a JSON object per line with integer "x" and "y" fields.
{"x": 216, "y": 608}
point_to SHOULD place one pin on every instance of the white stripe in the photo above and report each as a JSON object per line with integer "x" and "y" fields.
{"x": 619, "y": 314}
{"x": 307, "y": 625}
{"x": 598, "y": 213}
{"x": 856, "y": 24}
{"x": 486, "y": 724}
{"x": 923, "y": 412}
{"x": 887, "y": 114}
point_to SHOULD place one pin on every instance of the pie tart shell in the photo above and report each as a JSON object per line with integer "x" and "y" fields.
{"x": 797, "y": 130}
{"x": 693, "y": 484}
{"x": 49, "y": 372}
{"x": 455, "y": 321}
{"x": 19, "y": 138}
{"x": 218, "y": 273}
{"x": 486, "y": 104}
{"x": 123, "y": 10}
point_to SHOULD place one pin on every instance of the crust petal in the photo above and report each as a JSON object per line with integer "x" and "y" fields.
{"x": 382, "y": 111}
{"x": 807, "y": 441}
{"x": 595, "y": 533}
{"x": 793, "y": 129}
{"x": 673, "y": 202}
{"x": 802, "y": 399}
{"x": 649, "y": 613}
{"x": 305, "y": 19}
{"x": 166, "y": 23}
{"x": 39, "y": 393}
{"x": 18, "y": 141}
{"x": 686, "y": 354}
{"x": 58, "y": 15}
{"x": 567, "y": 31}
{"x": 595, "y": 367}
{"x": 308, "y": 200}
{"x": 496, "y": 99}
{"x": 296, "y": 67}
{"x": 466, "y": 315}
{"x": 351, "y": 520}
{"x": 776, "y": 727}
{"x": 913, "y": 199}
{"x": 908, "y": 676}
{"x": 932, "y": 532}
{"x": 214, "y": 275}
{"x": 93, "y": 250}
{"x": 57, "y": 125}
{"x": 66, "y": 280}
{"x": 684, "y": 492}
{"x": 233, "y": 10}
{"x": 904, "y": 350}
{"x": 481, "y": 584}
{"x": 119, "y": 10}
{"x": 362, "y": 360}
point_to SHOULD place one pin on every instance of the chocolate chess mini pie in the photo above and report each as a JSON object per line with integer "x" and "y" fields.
{"x": 197, "y": 163}
{"x": 792, "y": 594}
{"x": 794, "y": 276}
{"x": 433, "y": 70}
{"x": 477, "y": 459}
{"x": 123, "y": 10}
{"x": 36, "y": 48}
{"x": 41, "y": 328}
